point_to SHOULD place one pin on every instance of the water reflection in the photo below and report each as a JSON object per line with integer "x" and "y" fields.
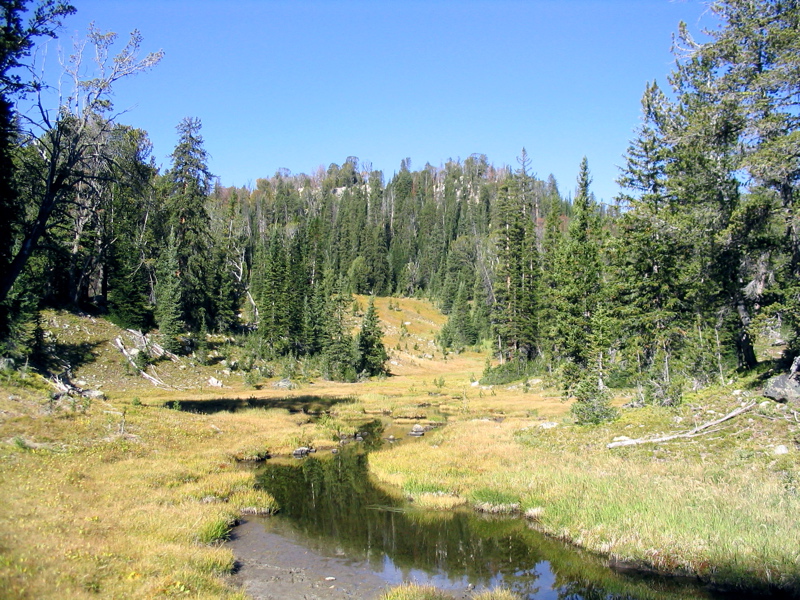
{"x": 333, "y": 507}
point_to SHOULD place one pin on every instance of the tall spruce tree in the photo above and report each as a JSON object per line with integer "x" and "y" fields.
{"x": 188, "y": 183}
{"x": 372, "y": 354}
{"x": 649, "y": 286}
{"x": 577, "y": 276}
{"x": 168, "y": 296}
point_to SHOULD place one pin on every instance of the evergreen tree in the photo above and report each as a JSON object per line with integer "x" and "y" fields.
{"x": 649, "y": 256}
{"x": 188, "y": 185}
{"x": 577, "y": 276}
{"x": 371, "y": 351}
{"x": 168, "y": 296}
{"x": 338, "y": 354}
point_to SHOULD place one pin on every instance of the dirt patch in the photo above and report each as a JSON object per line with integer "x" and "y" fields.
{"x": 274, "y": 567}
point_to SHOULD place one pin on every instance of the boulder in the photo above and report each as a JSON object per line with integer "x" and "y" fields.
{"x": 301, "y": 452}
{"x": 417, "y": 430}
{"x": 284, "y": 384}
{"x": 783, "y": 388}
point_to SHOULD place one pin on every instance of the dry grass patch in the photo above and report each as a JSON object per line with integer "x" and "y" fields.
{"x": 716, "y": 507}
{"x": 137, "y": 516}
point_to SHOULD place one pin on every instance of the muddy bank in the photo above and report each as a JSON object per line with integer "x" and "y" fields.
{"x": 273, "y": 566}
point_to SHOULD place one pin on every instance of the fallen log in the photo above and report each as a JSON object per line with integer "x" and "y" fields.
{"x": 699, "y": 430}
{"x": 146, "y": 344}
{"x": 154, "y": 380}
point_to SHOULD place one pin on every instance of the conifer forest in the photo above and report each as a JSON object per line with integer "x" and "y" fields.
{"x": 663, "y": 288}
{"x": 309, "y": 386}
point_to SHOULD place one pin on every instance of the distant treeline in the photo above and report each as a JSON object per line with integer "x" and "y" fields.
{"x": 664, "y": 289}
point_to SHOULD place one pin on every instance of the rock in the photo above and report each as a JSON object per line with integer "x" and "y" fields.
{"x": 621, "y": 438}
{"x": 94, "y": 394}
{"x": 476, "y": 383}
{"x": 417, "y": 430}
{"x": 781, "y": 449}
{"x": 214, "y": 382}
{"x": 284, "y": 384}
{"x": 783, "y": 388}
{"x": 301, "y": 452}
{"x": 548, "y": 424}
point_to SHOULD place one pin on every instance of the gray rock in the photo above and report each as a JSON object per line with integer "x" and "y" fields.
{"x": 417, "y": 430}
{"x": 301, "y": 452}
{"x": 284, "y": 384}
{"x": 783, "y": 388}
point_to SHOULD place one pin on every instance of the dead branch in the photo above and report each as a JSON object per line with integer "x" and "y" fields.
{"x": 146, "y": 344}
{"x": 699, "y": 430}
{"x": 155, "y": 381}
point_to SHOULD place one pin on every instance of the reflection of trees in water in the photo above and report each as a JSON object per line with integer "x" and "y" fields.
{"x": 332, "y": 501}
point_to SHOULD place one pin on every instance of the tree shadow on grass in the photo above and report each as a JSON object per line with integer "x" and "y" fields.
{"x": 62, "y": 359}
{"x": 294, "y": 404}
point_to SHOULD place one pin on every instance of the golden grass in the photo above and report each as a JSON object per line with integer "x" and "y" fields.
{"x": 88, "y": 509}
{"x": 138, "y": 515}
{"x": 719, "y": 507}
{"x": 413, "y": 591}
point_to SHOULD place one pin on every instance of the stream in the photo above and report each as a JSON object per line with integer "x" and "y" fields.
{"x": 340, "y": 534}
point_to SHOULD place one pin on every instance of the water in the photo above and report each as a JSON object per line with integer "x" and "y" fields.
{"x": 332, "y": 506}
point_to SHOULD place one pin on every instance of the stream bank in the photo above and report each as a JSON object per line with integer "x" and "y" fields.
{"x": 336, "y": 522}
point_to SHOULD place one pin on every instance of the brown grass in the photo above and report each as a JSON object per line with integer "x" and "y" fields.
{"x": 87, "y": 508}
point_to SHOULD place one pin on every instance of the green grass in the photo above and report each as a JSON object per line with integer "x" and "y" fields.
{"x": 714, "y": 506}
{"x": 412, "y": 591}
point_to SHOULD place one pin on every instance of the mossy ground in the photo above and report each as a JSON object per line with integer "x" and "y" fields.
{"x": 124, "y": 497}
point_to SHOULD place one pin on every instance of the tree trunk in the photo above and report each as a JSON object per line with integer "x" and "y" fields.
{"x": 744, "y": 344}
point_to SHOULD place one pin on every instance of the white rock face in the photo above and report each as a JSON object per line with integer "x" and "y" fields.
{"x": 214, "y": 382}
{"x": 781, "y": 449}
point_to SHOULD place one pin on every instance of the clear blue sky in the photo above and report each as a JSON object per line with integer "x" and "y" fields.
{"x": 298, "y": 84}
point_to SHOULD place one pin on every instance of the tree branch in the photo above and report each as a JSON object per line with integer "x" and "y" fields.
{"x": 700, "y": 430}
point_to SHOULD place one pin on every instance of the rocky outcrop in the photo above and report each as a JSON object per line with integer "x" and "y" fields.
{"x": 783, "y": 388}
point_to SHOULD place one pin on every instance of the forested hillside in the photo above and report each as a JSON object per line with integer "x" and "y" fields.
{"x": 663, "y": 288}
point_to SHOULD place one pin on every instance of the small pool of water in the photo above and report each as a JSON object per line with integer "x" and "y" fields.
{"x": 333, "y": 508}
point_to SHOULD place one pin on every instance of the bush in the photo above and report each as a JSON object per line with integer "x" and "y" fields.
{"x": 512, "y": 370}
{"x": 592, "y": 403}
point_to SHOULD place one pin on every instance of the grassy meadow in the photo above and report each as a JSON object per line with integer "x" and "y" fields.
{"x": 126, "y": 497}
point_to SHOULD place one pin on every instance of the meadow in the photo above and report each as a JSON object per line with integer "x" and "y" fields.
{"x": 130, "y": 496}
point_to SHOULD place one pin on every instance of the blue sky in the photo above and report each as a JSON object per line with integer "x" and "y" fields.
{"x": 299, "y": 84}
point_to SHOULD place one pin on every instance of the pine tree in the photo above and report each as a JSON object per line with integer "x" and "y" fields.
{"x": 168, "y": 296}
{"x": 577, "y": 276}
{"x": 188, "y": 185}
{"x": 649, "y": 255}
{"x": 339, "y": 356}
{"x": 371, "y": 351}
